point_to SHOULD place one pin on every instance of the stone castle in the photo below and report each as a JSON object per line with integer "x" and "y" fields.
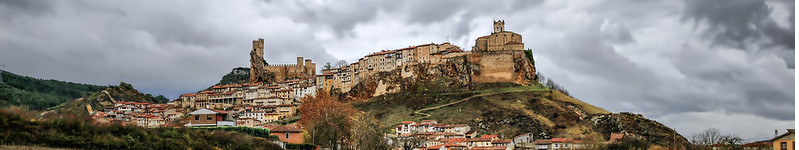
{"x": 498, "y": 57}
{"x": 302, "y": 70}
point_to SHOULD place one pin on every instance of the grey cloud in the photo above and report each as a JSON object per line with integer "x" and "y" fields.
{"x": 737, "y": 23}
{"x": 162, "y": 49}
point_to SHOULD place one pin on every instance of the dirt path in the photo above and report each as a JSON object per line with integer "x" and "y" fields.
{"x": 109, "y": 96}
{"x": 425, "y": 115}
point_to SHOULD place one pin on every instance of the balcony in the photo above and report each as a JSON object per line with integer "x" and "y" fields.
{"x": 225, "y": 123}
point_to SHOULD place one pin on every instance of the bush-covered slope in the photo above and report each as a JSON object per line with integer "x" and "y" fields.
{"x": 81, "y": 134}
{"x": 103, "y": 98}
{"x": 40, "y": 94}
{"x": 509, "y": 110}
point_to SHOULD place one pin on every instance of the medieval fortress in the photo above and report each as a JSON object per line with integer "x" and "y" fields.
{"x": 498, "y": 57}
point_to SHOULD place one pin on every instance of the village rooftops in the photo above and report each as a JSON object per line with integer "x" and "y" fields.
{"x": 447, "y": 145}
{"x": 271, "y": 97}
{"x": 501, "y": 141}
{"x": 479, "y": 140}
{"x": 132, "y": 103}
{"x": 556, "y": 140}
{"x": 491, "y": 148}
{"x": 206, "y": 92}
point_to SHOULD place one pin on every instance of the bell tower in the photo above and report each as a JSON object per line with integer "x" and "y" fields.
{"x": 499, "y": 26}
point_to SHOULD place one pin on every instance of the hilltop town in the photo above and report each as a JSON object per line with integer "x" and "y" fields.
{"x": 274, "y": 94}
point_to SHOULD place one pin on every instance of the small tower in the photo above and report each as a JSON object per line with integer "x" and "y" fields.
{"x": 258, "y": 47}
{"x": 499, "y": 26}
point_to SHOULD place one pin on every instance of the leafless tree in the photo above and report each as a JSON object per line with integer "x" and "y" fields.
{"x": 714, "y": 136}
{"x": 341, "y": 63}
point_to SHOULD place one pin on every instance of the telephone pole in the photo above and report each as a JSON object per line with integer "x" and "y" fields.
{"x": 1, "y": 72}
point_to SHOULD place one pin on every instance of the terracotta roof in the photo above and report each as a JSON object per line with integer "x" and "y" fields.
{"x": 445, "y": 145}
{"x": 207, "y": 92}
{"x": 757, "y": 144}
{"x": 188, "y": 94}
{"x": 542, "y": 141}
{"x": 478, "y": 140}
{"x": 456, "y": 140}
{"x": 408, "y": 122}
{"x": 489, "y": 136}
{"x": 501, "y": 141}
{"x": 492, "y": 147}
{"x": 284, "y": 128}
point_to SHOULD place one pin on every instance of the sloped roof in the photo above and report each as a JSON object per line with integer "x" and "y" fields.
{"x": 284, "y": 128}
{"x": 450, "y": 144}
{"x": 790, "y": 132}
{"x": 207, "y": 111}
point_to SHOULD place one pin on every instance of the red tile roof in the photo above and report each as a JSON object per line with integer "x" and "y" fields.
{"x": 284, "y": 128}
{"x": 448, "y": 145}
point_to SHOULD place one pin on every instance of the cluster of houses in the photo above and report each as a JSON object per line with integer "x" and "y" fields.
{"x": 140, "y": 114}
{"x": 248, "y": 116}
{"x": 436, "y": 135}
{"x": 281, "y": 93}
{"x": 439, "y": 136}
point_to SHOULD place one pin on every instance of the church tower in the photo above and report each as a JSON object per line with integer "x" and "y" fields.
{"x": 499, "y": 26}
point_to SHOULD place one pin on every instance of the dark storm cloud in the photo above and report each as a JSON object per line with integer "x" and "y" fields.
{"x": 157, "y": 46}
{"x": 739, "y": 23}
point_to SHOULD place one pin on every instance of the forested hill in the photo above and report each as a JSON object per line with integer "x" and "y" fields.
{"x": 40, "y": 94}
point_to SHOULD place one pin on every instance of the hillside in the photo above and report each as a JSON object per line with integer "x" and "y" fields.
{"x": 103, "y": 98}
{"x": 508, "y": 110}
{"x": 40, "y": 94}
{"x": 238, "y": 75}
{"x": 78, "y": 133}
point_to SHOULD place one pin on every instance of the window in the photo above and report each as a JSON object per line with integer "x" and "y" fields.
{"x": 287, "y": 135}
{"x": 197, "y": 117}
{"x": 783, "y": 145}
{"x": 209, "y": 117}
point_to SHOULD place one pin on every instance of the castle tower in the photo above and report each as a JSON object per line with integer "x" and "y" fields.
{"x": 258, "y": 47}
{"x": 309, "y": 68}
{"x": 257, "y": 60}
{"x": 499, "y": 26}
{"x": 300, "y": 66}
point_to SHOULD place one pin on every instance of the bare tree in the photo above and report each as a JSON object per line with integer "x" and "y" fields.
{"x": 408, "y": 143}
{"x": 367, "y": 134}
{"x": 714, "y": 136}
{"x": 707, "y": 137}
{"x": 341, "y": 63}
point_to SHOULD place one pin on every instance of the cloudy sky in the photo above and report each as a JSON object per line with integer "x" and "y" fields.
{"x": 691, "y": 64}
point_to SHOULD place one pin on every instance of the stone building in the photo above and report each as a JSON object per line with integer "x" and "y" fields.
{"x": 499, "y": 40}
{"x": 498, "y": 57}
